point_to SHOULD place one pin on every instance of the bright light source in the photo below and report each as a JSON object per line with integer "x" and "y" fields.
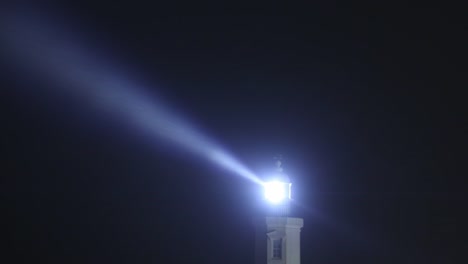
{"x": 276, "y": 191}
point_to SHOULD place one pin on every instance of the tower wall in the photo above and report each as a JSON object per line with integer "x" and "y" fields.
{"x": 286, "y": 230}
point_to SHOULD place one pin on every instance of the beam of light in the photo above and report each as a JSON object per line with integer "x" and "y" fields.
{"x": 49, "y": 52}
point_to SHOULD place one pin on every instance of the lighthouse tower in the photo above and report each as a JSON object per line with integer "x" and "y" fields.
{"x": 281, "y": 232}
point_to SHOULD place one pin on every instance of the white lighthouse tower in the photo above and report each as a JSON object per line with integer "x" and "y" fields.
{"x": 282, "y": 233}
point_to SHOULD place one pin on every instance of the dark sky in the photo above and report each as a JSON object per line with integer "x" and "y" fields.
{"x": 363, "y": 100}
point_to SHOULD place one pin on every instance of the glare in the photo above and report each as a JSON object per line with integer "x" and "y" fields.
{"x": 276, "y": 191}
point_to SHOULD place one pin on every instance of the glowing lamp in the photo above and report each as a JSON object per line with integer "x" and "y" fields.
{"x": 277, "y": 191}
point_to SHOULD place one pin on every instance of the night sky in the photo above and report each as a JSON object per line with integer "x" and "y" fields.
{"x": 363, "y": 100}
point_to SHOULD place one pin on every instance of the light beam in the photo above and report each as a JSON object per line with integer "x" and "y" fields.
{"x": 50, "y": 52}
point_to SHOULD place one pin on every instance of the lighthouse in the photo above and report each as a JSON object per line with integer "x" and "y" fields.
{"x": 278, "y": 234}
